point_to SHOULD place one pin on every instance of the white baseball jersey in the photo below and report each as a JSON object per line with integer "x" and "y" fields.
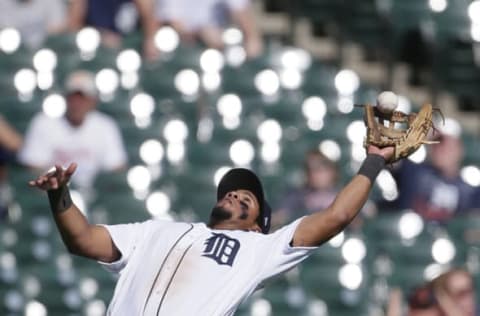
{"x": 189, "y": 269}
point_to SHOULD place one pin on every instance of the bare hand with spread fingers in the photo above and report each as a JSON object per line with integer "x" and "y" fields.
{"x": 54, "y": 179}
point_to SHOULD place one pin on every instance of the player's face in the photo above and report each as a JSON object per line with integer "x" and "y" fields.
{"x": 237, "y": 210}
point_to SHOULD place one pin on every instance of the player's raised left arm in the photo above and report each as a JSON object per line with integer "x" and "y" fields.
{"x": 319, "y": 227}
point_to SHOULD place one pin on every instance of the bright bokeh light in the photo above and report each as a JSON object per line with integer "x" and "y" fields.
{"x": 317, "y": 307}
{"x": 443, "y": 250}
{"x": 139, "y": 178}
{"x": 219, "y": 173}
{"x": 10, "y": 40}
{"x": 187, "y": 82}
{"x": 45, "y": 60}
{"x": 211, "y": 81}
{"x": 175, "y": 152}
{"x": 88, "y": 40}
{"x": 471, "y": 175}
{"x": 387, "y": 184}
{"x": 175, "y": 131}
{"x": 475, "y": 31}
{"x": 291, "y": 79}
{"x": 8, "y": 261}
{"x": 451, "y": 127}
{"x": 474, "y": 11}
{"x": 88, "y": 288}
{"x": 129, "y": 61}
{"x": 314, "y": 108}
{"x": 331, "y": 149}
{"x": 231, "y": 123}
{"x": 54, "y": 105}
{"x": 35, "y": 308}
{"x": 31, "y": 286}
{"x": 419, "y": 155}
{"x": 129, "y": 80}
{"x": 354, "y": 250}
{"x": 211, "y": 60}
{"x": 44, "y": 80}
{"x": 25, "y": 81}
{"x": 347, "y": 82}
{"x": 267, "y": 82}
{"x": 337, "y": 240}
{"x": 270, "y": 152}
{"x": 229, "y": 105}
{"x": 356, "y": 132}
{"x": 151, "y": 151}
{"x": 261, "y": 307}
{"x": 295, "y": 58}
{"x": 438, "y": 5}
{"x": 345, "y": 104}
{"x": 158, "y": 204}
{"x": 242, "y": 152}
{"x": 269, "y": 131}
{"x": 166, "y": 39}
{"x": 142, "y": 105}
{"x": 433, "y": 270}
{"x": 95, "y": 308}
{"x": 14, "y": 301}
{"x": 107, "y": 81}
{"x": 235, "y": 56}
{"x": 232, "y": 36}
{"x": 350, "y": 276}
{"x": 357, "y": 152}
{"x": 410, "y": 225}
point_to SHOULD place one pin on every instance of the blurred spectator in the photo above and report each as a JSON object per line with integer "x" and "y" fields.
{"x": 450, "y": 294}
{"x": 10, "y": 143}
{"x": 318, "y": 192}
{"x": 455, "y": 293}
{"x": 114, "y": 18}
{"x": 34, "y": 19}
{"x": 423, "y": 302}
{"x": 434, "y": 188}
{"x": 83, "y": 135}
{"x": 206, "y": 20}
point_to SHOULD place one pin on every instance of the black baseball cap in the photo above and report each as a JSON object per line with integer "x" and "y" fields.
{"x": 244, "y": 179}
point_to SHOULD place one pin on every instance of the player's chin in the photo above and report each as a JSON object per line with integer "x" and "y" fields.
{"x": 220, "y": 213}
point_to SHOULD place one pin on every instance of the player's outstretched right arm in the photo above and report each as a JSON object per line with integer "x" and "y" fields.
{"x": 80, "y": 237}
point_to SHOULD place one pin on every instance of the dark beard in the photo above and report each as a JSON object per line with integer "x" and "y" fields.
{"x": 219, "y": 214}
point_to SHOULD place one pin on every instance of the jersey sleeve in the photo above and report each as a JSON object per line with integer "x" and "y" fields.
{"x": 276, "y": 253}
{"x": 126, "y": 238}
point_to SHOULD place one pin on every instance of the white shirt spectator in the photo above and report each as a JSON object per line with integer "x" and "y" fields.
{"x": 196, "y": 15}
{"x": 34, "y": 19}
{"x": 171, "y": 268}
{"x": 95, "y": 145}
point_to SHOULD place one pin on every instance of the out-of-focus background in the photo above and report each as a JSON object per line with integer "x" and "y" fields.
{"x": 157, "y": 99}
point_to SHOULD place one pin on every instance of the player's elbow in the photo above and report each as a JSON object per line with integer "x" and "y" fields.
{"x": 339, "y": 219}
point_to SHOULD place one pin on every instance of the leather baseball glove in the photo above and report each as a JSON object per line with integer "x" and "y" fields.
{"x": 406, "y": 138}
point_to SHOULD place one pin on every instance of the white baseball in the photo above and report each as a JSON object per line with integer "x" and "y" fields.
{"x": 387, "y": 101}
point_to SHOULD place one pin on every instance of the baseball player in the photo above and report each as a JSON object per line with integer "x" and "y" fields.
{"x": 168, "y": 268}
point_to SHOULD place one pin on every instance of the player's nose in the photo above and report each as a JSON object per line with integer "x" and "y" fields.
{"x": 232, "y": 194}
